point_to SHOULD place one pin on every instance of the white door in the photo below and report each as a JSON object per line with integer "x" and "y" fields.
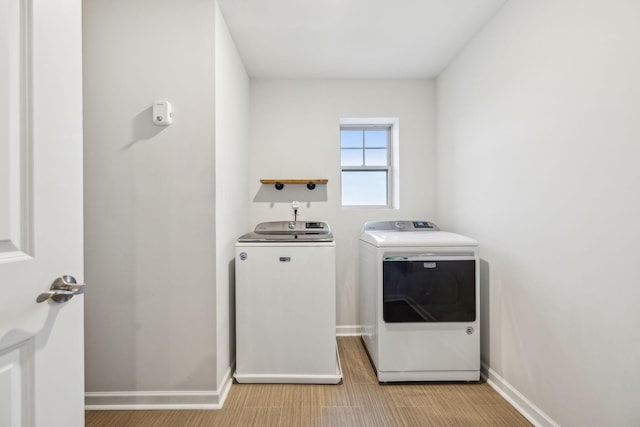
{"x": 41, "y": 344}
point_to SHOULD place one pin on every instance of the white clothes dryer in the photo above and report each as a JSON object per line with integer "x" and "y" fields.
{"x": 419, "y": 302}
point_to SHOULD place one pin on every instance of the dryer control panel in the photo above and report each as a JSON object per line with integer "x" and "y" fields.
{"x": 400, "y": 226}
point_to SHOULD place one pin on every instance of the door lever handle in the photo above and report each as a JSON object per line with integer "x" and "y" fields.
{"x": 62, "y": 290}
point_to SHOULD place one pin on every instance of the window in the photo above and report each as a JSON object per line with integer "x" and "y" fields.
{"x": 366, "y": 158}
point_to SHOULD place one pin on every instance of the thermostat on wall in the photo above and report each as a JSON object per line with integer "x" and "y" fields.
{"x": 162, "y": 113}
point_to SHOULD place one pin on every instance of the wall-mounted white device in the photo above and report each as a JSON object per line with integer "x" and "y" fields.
{"x": 162, "y": 113}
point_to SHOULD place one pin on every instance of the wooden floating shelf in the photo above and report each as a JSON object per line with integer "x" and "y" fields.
{"x": 294, "y": 181}
{"x": 279, "y": 183}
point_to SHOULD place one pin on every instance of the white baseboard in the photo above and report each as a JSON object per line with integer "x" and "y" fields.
{"x": 141, "y": 400}
{"x": 348, "y": 330}
{"x": 523, "y": 405}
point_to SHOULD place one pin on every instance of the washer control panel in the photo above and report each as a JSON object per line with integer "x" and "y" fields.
{"x": 292, "y": 227}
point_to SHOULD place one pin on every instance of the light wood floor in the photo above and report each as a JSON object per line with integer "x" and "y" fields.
{"x": 358, "y": 401}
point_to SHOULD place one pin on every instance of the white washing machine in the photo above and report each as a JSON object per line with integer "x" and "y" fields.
{"x": 419, "y": 307}
{"x": 286, "y": 304}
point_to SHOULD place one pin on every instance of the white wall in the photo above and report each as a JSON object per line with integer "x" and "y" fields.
{"x": 231, "y": 183}
{"x": 294, "y": 133}
{"x": 538, "y": 150}
{"x": 157, "y": 260}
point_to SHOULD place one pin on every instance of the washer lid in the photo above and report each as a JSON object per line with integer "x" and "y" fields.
{"x": 416, "y": 238}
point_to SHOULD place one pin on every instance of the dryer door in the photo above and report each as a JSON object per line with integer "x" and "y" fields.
{"x": 429, "y": 289}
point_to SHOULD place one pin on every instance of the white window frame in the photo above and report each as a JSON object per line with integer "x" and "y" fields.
{"x": 393, "y": 155}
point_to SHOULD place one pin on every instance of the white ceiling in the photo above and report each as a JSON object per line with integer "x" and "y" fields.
{"x": 353, "y": 38}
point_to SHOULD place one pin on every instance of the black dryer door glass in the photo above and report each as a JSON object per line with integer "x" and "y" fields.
{"x": 429, "y": 291}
